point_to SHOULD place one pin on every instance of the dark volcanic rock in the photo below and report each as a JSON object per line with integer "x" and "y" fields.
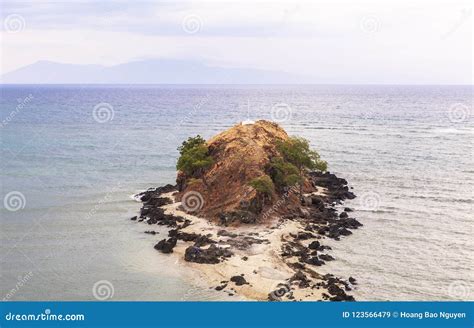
{"x": 166, "y": 245}
{"x": 198, "y": 239}
{"x": 343, "y": 215}
{"x": 315, "y": 245}
{"x": 318, "y": 216}
{"x": 300, "y": 277}
{"x": 304, "y": 236}
{"x": 314, "y": 261}
{"x": 221, "y": 287}
{"x": 211, "y": 255}
{"x": 326, "y": 257}
{"x": 156, "y": 192}
{"x": 238, "y": 280}
{"x": 339, "y": 294}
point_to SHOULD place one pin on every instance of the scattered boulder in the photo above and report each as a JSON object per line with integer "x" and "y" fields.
{"x": 314, "y": 261}
{"x": 343, "y": 215}
{"x": 326, "y": 257}
{"x": 238, "y": 280}
{"x": 166, "y": 245}
{"x": 211, "y": 255}
{"x": 315, "y": 245}
{"x": 221, "y": 287}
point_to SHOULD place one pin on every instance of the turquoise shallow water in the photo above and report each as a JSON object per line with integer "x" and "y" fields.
{"x": 406, "y": 150}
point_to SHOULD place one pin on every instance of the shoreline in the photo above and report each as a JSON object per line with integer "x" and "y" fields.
{"x": 275, "y": 260}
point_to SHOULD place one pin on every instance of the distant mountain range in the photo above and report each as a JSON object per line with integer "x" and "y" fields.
{"x": 144, "y": 72}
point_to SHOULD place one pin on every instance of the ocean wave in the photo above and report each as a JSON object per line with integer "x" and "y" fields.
{"x": 136, "y": 197}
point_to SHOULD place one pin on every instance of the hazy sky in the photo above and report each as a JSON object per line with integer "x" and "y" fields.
{"x": 419, "y": 41}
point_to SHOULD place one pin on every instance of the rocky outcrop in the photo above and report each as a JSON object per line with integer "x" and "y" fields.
{"x": 240, "y": 154}
{"x": 215, "y": 221}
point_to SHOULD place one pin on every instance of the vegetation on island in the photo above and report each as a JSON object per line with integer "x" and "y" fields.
{"x": 288, "y": 168}
{"x": 194, "y": 157}
{"x": 296, "y": 157}
{"x": 264, "y": 187}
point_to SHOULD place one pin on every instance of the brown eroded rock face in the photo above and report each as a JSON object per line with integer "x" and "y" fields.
{"x": 240, "y": 154}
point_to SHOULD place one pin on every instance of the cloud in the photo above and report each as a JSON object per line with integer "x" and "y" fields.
{"x": 341, "y": 41}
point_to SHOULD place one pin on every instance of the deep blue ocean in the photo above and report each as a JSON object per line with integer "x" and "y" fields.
{"x": 73, "y": 155}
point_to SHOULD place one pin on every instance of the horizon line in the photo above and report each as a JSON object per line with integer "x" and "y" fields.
{"x": 232, "y": 84}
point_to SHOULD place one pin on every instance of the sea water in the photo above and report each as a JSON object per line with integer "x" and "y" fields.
{"x": 73, "y": 155}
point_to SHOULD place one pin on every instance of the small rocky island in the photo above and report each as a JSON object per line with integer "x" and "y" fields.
{"x": 250, "y": 210}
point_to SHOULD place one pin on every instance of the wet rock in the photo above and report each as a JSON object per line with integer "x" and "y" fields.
{"x": 314, "y": 261}
{"x": 133, "y": 218}
{"x": 352, "y": 280}
{"x": 326, "y": 257}
{"x": 156, "y": 192}
{"x": 151, "y": 232}
{"x": 343, "y": 215}
{"x": 166, "y": 245}
{"x": 345, "y": 232}
{"x": 347, "y": 209}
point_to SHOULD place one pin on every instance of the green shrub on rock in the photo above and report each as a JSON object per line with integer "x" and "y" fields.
{"x": 295, "y": 159}
{"x": 263, "y": 185}
{"x": 194, "y": 157}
